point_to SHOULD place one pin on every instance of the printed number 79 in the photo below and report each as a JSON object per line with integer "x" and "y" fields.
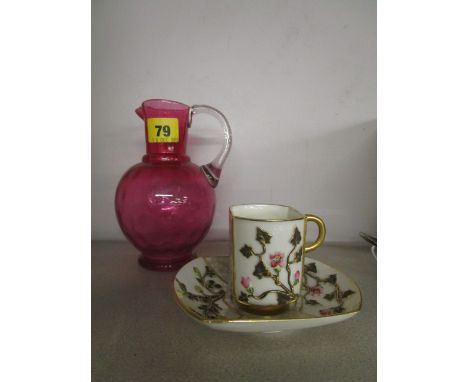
{"x": 165, "y": 129}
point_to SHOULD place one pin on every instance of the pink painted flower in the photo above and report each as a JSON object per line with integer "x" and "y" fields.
{"x": 297, "y": 275}
{"x": 315, "y": 291}
{"x": 326, "y": 312}
{"x": 245, "y": 281}
{"x": 277, "y": 260}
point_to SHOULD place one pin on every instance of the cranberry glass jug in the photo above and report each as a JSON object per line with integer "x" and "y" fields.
{"x": 165, "y": 204}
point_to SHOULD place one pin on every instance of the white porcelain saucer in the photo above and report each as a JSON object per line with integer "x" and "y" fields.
{"x": 202, "y": 290}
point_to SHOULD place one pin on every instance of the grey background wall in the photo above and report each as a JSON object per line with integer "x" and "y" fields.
{"x": 296, "y": 79}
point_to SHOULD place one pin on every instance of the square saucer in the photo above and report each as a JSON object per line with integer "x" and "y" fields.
{"x": 203, "y": 292}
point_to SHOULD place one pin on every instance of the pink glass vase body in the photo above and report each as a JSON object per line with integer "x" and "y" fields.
{"x": 165, "y": 205}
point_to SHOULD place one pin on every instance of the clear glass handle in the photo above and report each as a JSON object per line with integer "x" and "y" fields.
{"x": 213, "y": 169}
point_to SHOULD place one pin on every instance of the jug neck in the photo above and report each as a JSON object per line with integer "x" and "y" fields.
{"x": 166, "y": 125}
{"x": 165, "y": 158}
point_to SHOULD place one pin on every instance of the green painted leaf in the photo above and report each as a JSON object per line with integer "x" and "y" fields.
{"x": 283, "y": 298}
{"x": 296, "y": 237}
{"x": 347, "y": 293}
{"x": 312, "y": 302}
{"x": 250, "y": 290}
{"x": 209, "y": 271}
{"x": 210, "y": 309}
{"x": 197, "y": 271}
{"x": 311, "y": 267}
{"x": 243, "y": 297}
{"x": 332, "y": 279}
{"x": 247, "y": 251}
{"x": 198, "y": 289}
{"x": 182, "y": 286}
{"x": 260, "y": 270}
{"x": 338, "y": 309}
{"x": 263, "y": 236}
{"x": 329, "y": 296}
{"x": 277, "y": 270}
{"x": 298, "y": 256}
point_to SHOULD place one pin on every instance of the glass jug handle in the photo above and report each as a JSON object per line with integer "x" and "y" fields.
{"x": 213, "y": 169}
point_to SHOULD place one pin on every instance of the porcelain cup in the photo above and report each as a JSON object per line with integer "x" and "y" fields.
{"x": 267, "y": 251}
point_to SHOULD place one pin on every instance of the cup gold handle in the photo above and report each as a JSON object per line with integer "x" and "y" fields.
{"x": 321, "y": 233}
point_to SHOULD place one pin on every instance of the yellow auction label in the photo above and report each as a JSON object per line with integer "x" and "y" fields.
{"x": 163, "y": 130}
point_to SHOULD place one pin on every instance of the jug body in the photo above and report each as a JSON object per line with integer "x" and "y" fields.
{"x": 165, "y": 211}
{"x": 165, "y": 204}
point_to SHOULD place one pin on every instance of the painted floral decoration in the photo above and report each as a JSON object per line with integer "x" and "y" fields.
{"x": 278, "y": 262}
{"x": 297, "y": 276}
{"x": 209, "y": 292}
{"x": 315, "y": 291}
{"x": 245, "y": 281}
{"x": 336, "y": 294}
{"x": 326, "y": 312}
{"x": 321, "y": 293}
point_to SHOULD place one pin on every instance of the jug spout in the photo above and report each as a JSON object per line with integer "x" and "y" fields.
{"x": 140, "y": 112}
